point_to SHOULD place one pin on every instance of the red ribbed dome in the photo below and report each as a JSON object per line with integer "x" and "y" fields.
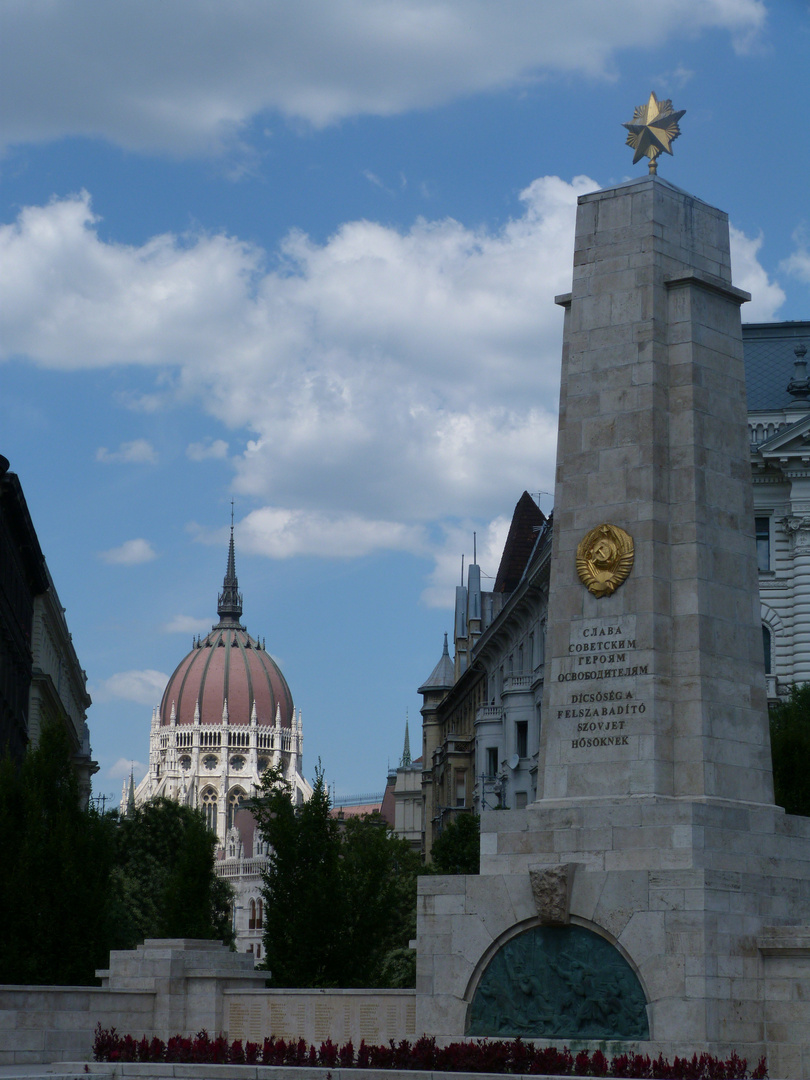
{"x": 227, "y": 666}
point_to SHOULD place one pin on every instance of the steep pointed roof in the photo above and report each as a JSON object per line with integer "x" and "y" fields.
{"x": 405, "y": 760}
{"x": 229, "y": 603}
{"x": 228, "y": 677}
{"x": 443, "y": 676}
{"x": 526, "y": 522}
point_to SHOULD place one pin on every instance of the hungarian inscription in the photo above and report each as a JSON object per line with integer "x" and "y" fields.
{"x": 600, "y": 676}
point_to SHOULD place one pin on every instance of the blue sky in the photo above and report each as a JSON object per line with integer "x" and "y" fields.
{"x": 304, "y": 256}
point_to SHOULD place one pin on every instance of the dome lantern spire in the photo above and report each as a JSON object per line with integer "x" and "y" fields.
{"x": 229, "y": 604}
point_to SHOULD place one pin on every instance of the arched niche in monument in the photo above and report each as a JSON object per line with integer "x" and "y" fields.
{"x": 559, "y": 982}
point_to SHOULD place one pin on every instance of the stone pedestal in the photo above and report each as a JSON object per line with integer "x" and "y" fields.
{"x": 187, "y": 977}
{"x": 654, "y": 828}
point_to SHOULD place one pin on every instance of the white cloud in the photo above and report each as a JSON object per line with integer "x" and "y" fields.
{"x": 458, "y": 541}
{"x": 747, "y": 273}
{"x": 185, "y": 78}
{"x": 130, "y": 553}
{"x": 281, "y": 533}
{"x": 798, "y": 264}
{"x": 186, "y": 624}
{"x": 201, "y": 451}
{"x": 137, "y": 452}
{"x": 121, "y": 769}
{"x": 143, "y": 687}
{"x": 387, "y": 380}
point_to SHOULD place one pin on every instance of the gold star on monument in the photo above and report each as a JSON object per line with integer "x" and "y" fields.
{"x": 653, "y": 129}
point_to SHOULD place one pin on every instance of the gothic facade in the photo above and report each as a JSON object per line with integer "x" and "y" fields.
{"x": 226, "y": 716}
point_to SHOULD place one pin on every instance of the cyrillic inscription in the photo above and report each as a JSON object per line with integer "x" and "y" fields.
{"x": 599, "y": 650}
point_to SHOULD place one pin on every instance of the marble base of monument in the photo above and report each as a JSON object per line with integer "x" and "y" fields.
{"x": 685, "y": 891}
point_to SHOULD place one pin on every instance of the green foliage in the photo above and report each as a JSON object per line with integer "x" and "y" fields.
{"x": 163, "y": 882}
{"x": 56, "y": 861}
{"x": 340, "y": 899}
{"x": 456, "y": 850}
{"x": 75, "y": 884}
{"x": 790, "y": 747}
{"x": 379, "y": 871}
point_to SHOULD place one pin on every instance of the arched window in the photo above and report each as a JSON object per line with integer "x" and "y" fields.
{"x": 252, "y": 916}
{"x": 766, "y": 646}
{"x": 234, "y": 799}
{"x": 208, "y": 800}
{"x": 259, "y": 915}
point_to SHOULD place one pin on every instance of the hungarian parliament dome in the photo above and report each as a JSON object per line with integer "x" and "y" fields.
{"x": 226, "y": 715}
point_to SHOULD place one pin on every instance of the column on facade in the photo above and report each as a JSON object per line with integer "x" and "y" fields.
{"x": 797, "y": 528}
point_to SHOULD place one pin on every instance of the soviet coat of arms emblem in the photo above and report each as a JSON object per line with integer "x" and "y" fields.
{"x": 604, "y": 559}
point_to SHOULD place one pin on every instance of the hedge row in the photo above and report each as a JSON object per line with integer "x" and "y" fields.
{"x": 482, "y": 1056}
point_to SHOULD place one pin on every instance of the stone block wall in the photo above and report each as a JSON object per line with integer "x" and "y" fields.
{"x": 56, "y": 1023}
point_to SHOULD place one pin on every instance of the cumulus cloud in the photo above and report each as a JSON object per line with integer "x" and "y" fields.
{"x": 143, "y": 687}
{"x": 457, "y": 539}
{"x": 130, "y": 553}
{"x": 182, "y": 78}
{"x": 202, "y": 451}
{"x": 186, "y": 624}
{"x": 281, "y": 533}
{"x": 766, "y": 295}
{"x": 121, "y": 769}
{"x": 798, "y": 264}
{"x": 384, "y": 381}
{"x": 137, "y": 452}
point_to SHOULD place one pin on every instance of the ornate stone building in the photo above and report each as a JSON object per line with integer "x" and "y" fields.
{"x": 779, "y": 425}
{"x": 227, "y": 715}
{"x": 481, "y": 712}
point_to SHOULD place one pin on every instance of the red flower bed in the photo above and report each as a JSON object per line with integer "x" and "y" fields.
{"x": 484, "y": 1056}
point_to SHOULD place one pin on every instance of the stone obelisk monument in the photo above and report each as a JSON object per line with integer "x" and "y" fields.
{"x": 653, "y": 894}
{"x": 654, "y": 662}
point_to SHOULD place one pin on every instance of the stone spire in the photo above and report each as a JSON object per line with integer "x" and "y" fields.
{"x": 130, "y": 810}
{"x": 229, "y": 605}
{"x": 405, "y": 760}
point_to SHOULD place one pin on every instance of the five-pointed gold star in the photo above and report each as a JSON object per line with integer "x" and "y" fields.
{"x": 653, "y": 129}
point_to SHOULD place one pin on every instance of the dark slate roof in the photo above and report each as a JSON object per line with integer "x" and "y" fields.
{"x": 443, "y": 675}
{"x": 769, "y": 359}
{"x": 527, "y": 521}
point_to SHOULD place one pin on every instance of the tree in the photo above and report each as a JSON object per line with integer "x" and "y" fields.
{"x": 456, "y": 850}
{"x": 339, "y": 899}
{"x": 56, "y": 862}
{"x": 75, "y": 884}
{"x": 790, "y": 748}
{"x": 164, "y": 883}
{"x": 378, "y": 871}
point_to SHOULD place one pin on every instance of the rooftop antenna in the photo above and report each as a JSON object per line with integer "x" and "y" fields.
{"x": 462, "y": 571}
{"x": 475, "y": 556}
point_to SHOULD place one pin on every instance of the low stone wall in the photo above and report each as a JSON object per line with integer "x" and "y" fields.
{"x": 180, "y": 987}
{"x": 56, "y": 1023}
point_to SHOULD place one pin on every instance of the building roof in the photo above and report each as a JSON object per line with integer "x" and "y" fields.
{"x": 769, "y": 362}
{"x": 228, "y": 674}
{"x": 443, "y": 675}
{"x": 527, "y": 520}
